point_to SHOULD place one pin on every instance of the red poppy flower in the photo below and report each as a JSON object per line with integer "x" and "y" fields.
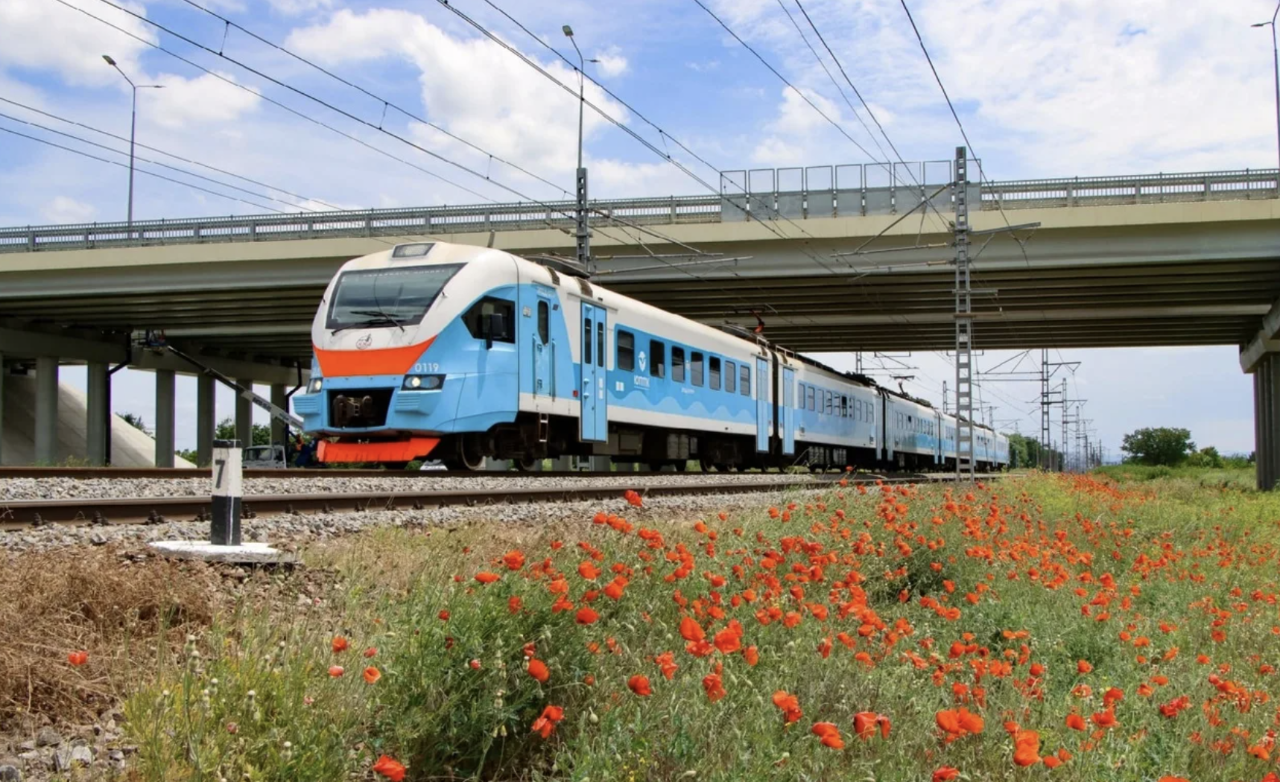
{"x": 586, "y": 616}
{"x": 539, "y": 670}
{"x": 727, "y": 641}
{"x": 1083, "y": 667}
{"x": 485, "y": 577}
{"x": 945, "y": 774}
{"x": 751, "y": 655}
{"x": 336, "y": 670}
{"x": 372, "y": 675}
{"x": 588, "y": 570}
{"x": 690, "y": 630}
{"x": 639, "y": 684}
{"x": 514, "y": 560}
{"x": 1075, "y": 722}
{"x": 789, "y": 704}
{"x": 667, "y": 663}
{"x": 1026, "y": 750}
{"x": 339, "y": 644}
{"x": 372, "y": 651}
{"x": 514, "y": 604}
{"x": 78, "y": 658}
{"x": 546, "y": 722}
{"x": 713, "y": 684}
{"x": 865, "y": 724}
{"x": 829, "y": 733}
{"x": 391, "y": 769}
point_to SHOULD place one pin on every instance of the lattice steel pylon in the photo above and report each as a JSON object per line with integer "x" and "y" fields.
{"x": 1046, "y": 457}
{"x": 965, "y": 466}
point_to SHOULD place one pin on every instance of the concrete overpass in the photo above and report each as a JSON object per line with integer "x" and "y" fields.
{"x": 1168, "y": 259}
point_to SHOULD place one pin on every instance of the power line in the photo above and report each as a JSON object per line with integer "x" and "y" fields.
{"x": 152, "y": 162}
{"x": 168, "y": 154}
{"x": 140, "y": 171}
{"x": 384, "y": 101}
{"x": 271, "y": 101}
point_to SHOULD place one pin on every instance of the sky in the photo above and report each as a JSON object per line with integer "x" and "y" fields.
{"x": 1045, "y": 88}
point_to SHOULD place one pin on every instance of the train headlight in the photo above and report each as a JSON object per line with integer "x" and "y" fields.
{"x": 315, "y": 385}
{"x": 422, "y": 382}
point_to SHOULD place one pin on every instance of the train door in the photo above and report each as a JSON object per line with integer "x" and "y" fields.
{"x": 542, "y": 346}
{"x": 937, "y": 438}
{"x": 763, "y": 418}
{"x": 788, "y": 411}
{"x": 593, "y": 418}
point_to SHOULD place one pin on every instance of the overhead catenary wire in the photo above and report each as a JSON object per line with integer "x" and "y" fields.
{"x": 140, "y": 170}
{"x": 189, "y": 161}
{"x": 182, "y": 171}
{"x": 231, "y": 82}
{"x": 386, "y": 102}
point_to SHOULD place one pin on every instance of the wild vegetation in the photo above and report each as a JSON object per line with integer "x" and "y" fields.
{"x": 1042, "y": 627}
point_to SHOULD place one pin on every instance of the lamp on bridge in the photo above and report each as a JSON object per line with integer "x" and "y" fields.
{"x": 133, "y": 122}
{"x": 1275, "y": 62}
{"x": 583, "y": 236}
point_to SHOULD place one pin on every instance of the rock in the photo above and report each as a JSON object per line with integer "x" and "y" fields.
{"x": 116, "y": 755}
{"x": 98, "y": 539}
{"x": 27, "y": 745}
{"x": 48, "y": 737}
{"x": 67, "y": 758}
{"x": 10, "y": 774}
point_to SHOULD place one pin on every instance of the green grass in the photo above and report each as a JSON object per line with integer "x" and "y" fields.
{"x": 455, "y": 700}
{"x": 1234, "y": 477}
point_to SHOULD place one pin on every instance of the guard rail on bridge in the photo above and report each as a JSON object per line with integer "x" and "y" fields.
{"x": 769, "y": 194}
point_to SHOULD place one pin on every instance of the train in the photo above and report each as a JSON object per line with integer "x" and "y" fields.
{"x": 438, "y": 351}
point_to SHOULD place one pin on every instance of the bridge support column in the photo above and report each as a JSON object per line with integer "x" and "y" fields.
{"x": 244, "y": 416}
{"x": 206, "y": 416}
{"x": 1266, "y": 420}
{"x": 281, "y": 401}
{"x": 98, "y": 423}
{"x": 2, "y": 376}
{"x": 46, "y": 410}
{"x": 164, "y": 417}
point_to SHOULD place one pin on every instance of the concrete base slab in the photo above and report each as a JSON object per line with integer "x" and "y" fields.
{"x": 244, "y": 554}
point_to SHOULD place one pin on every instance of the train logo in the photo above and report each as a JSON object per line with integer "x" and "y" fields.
{"x": 364, "y": 342}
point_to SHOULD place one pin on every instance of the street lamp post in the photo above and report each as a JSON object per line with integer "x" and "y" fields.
{"x": 1275, "y": 61}
{"x": 133, "y": 123}
{"x": 583, "y": 235}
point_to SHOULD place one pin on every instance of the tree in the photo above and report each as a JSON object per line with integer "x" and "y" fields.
{"x": 227, "y": 431}
{"x": 1158, "y": 445}
{"x": 1206, "y": 457}
{"x": 136, "y": 422}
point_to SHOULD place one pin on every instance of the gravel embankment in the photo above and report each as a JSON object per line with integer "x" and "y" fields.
{"x": 288, "y": 532}
{"x": 124, "y": 488}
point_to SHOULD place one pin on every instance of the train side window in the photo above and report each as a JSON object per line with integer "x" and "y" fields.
{"x": 489, "y": 305}
{"x": 844, "y": 406}
{"x": 677, "y": 364}
{"x": 830, "y": 403}
{"x": 808, "y": 397}
{"x": 730, "y": 377}
{"x": 800, "y": 397}
{"x": 600, "y": 346}
{"x": 744, "y": 378}
{"x": 657, "y": 359}
{"x": 715, "y": 373}
{"x": 586, "y": 341}
{"x": 626, "y": 350}
{"x": 696, "y": 367}
{"x": 544, "y": 322}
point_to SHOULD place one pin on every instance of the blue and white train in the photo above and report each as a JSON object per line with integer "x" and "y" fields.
{"x": 451, "y": 352}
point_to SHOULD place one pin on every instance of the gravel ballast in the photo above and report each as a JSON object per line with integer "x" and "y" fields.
{"x": 129, "y": 488}
{"x": 288, "y": 532}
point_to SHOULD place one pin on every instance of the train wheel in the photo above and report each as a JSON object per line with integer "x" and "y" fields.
{"x": 527, "y": 464}
{"x": 466, "y": 454}
{"x": 707, "y": 466}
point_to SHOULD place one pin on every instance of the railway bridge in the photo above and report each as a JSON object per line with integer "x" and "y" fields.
{"x": 829, "y": 258}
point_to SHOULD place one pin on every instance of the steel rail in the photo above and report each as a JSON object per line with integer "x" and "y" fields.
{"x": 25, "y": 514}
{"x": 828, "y": 200}
{"x": 175, "y": 473}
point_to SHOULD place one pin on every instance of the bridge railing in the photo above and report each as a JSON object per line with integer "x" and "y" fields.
{"x": 815, "y": 192}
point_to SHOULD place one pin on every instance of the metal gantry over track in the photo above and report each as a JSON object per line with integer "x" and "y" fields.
{"x": 965, "y": 463}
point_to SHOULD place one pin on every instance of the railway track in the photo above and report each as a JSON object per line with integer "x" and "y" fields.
{"x": 25, "y": 514}
{"x": 131, "y": 473}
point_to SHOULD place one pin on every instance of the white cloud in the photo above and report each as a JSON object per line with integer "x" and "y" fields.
{"x": 296, "y": 7}
{"x": 43, "y": 35}
{"x": 472, "y": 87}
{"x": 63, "y": 209}
{"x": 200, "y": 101}
{"x": 611, "y": 62}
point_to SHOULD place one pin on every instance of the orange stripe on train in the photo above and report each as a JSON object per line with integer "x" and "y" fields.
{"x": 386, "y": 451}
{"x": 379, "y": 361}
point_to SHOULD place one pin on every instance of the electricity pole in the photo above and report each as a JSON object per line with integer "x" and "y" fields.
{"x": 582, "y": 233}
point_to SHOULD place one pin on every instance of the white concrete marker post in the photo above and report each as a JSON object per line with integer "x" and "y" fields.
{"x": 224, "y": 543}
{"x": 228, "y": 493}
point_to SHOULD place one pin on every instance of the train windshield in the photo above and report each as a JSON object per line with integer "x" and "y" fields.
{"x": 387, "y": 297}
